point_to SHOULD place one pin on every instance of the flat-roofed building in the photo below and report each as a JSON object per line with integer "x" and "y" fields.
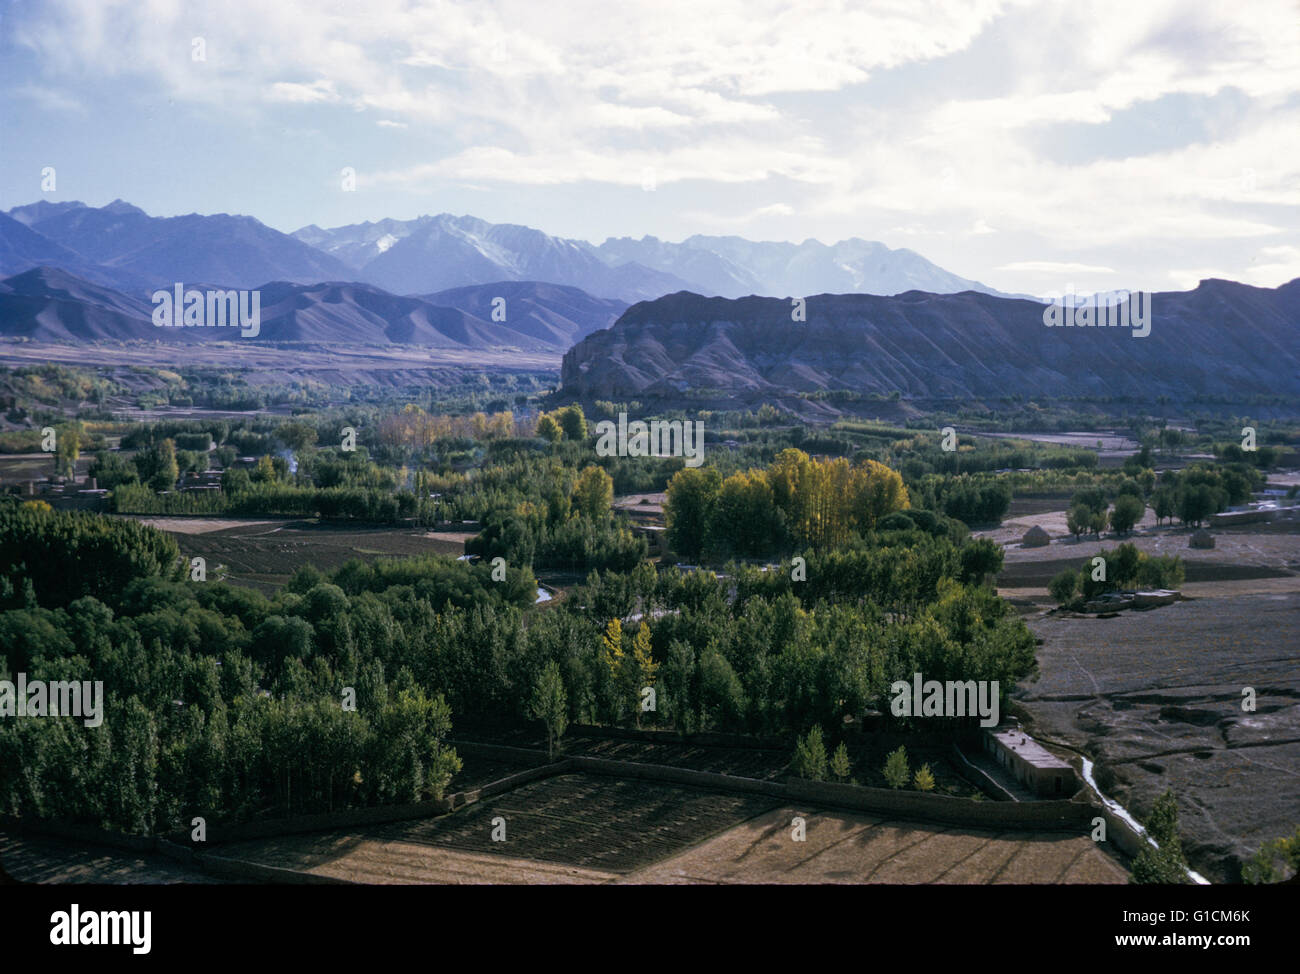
{"x": 1035, "y": 767}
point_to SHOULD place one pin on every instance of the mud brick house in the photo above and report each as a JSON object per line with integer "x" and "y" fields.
{"x": 1035, "y": 767}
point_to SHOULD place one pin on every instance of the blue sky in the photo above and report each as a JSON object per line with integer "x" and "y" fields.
{"x": 1038, "y": 147}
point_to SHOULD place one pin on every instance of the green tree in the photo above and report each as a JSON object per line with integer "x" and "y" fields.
{"x": 924, "y": 779}
{"x": 1093, "y": 498}
{"x": 158, "y": 466}
{"x": 548, "y": 428}
{"x": 1064, "y": 586}
{"x": 1099, "y": 521}
{"x": 1166, "y": 864}
{"x": 1196, "y": 502}
{"x": 67, "y": 449}
{"x": 1163, "y": 503}
{"x": 810, "y": 756}
{"x": 688, "y": 508}
{"x": 1079, "y": 520}
{"x": 643, "y": 668}
{"x": 841, "y": 766}
{"x": 574, "y": 423}
{"x": 897, "y": 772}
{"x": 550, "y": 704}
{"x": 1123, "y": 564}
{"x": 594, "y": 493}
{"x": 296, "y": 436}
{"x": 1128, "y": 511}
{"x": 112, "y": 469}
{"x": 980, "y": 559}
{"x": 235, "y": 480}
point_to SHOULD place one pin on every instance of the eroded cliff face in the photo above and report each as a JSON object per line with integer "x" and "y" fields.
{"x": 1222, "y": 340}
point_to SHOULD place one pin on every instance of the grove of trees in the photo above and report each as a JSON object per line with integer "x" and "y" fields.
{"x": 798, "y": 501}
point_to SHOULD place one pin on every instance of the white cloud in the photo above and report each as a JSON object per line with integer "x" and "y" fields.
{"x": 305, "y": 94}
{"x": 790, "y": 101}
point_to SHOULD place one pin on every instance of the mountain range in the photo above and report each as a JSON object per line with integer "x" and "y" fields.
{"x": 76, "y": 273}
{"x": 51, "y": 304}
{"x": 407, "y": 256}
{"x": 433, "y": 253}
{"x": 140, "y": 253}
{"x": 121, "y": 246}
{"x": 1222, "y": 339}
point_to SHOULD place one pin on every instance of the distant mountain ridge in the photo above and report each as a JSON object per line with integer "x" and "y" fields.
{"x": 121, "y": 246}
{"x": 1221, "y": 339}
{"x": 733, "y": 267}
{"x": 50, "y": 304}
{"x": 146, "y": 252}
{"x": 433, "y": 252}
{"x": 554, "y": 314}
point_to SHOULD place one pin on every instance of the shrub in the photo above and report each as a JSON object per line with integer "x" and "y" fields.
{"x": 896, "y": 770}
{"x": 1275, "y": 861}
{"x": 810, "y": 756}
{"x": 924, "y": 780}
{"x": 841, "y": 766}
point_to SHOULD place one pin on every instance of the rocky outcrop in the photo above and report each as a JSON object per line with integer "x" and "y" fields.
{"x": 1222, "y": 339}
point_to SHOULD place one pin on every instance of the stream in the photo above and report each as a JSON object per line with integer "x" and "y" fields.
{"x": 1122, "y": 812}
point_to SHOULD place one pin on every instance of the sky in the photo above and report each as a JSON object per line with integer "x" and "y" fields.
{"x": 1035, "y": 146}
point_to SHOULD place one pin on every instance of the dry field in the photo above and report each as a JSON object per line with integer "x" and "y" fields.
{"x": 1156, "y": 698}
{"x": 605, "y": 824}
{"x": 845, "y": 848}
{"x": 265, "y": 553}
{"x": 590, "y": 829}
{"x": 31, "y": 859}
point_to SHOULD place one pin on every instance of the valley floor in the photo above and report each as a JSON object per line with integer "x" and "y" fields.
{"x": 1156, "y": 697}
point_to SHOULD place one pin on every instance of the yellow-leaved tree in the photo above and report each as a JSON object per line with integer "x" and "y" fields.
{"x": 644, "y": 666}
{"x": 612, "y": 644}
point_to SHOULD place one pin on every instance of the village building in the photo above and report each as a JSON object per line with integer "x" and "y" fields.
{"x": 1031, "y": 764}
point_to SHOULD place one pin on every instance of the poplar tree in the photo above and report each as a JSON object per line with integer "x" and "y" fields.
{"x": 550, "y": 704}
